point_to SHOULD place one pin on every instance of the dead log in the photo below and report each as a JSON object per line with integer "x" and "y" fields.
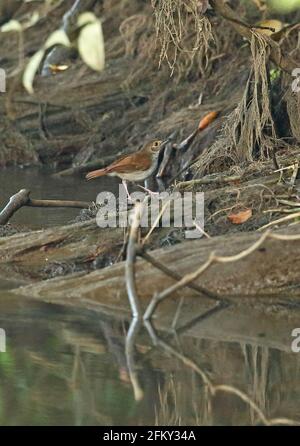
{"x": 268, "y": 273}
{"x": 16, "y": 202}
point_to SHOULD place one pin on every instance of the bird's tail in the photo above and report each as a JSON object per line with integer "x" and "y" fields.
{"x": 96, "y": 174}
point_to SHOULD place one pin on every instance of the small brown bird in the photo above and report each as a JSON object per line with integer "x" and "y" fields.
{"x": 136, "y": 166}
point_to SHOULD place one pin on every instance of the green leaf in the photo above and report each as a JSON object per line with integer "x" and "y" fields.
{"x": 31, "y": 69}
{"x": 91, "y": 42}
{"x": 12, "y": 25}
{"x": 58, "y": 37}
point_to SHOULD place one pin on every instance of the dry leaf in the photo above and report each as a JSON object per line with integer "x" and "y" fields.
{"x": 240, "y": 217}
{"x": 208, "y": 119}
{"x": 273, "y": 25}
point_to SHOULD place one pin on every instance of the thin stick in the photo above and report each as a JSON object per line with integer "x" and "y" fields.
{"x": 132, "y": 334}
{"x": 213, "y": 258}
{"x": 155, "y": 223}
{"x": 206, "y": 180}
{"x": 201, "y": 230}
{"x": 183, "y": 282}
{"x": 130, "y": 263}
{"x": 176, "y": 276}
{"x": 58, "y": 204}
{"x": 281, "y": 220}
{"x": 167, "y": 155}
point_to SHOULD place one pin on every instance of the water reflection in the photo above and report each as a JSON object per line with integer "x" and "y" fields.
{"x": 68, "y": 367}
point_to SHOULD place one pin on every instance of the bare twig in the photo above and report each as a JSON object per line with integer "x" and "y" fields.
{"x": 21, "y": 199}
{"x": 281, "y": 220}
{"x": 130, "y": 262}
{"x": 185, "y": 144}
{"x": 167, "y": 155}
{"x": 201, "y": 230}
{"x": 208, "y": 180}
{"x": 130, "y": 356}
{"x": 58, "y": 204}
{"x": 295, "y": 175}
{"x": 212, "y": 259}
{"x": 176, "y": 276}
{"x": 155, "y": 223}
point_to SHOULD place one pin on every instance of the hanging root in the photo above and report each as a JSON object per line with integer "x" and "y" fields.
{"x": 248, "y": 132}
{"x": 293, "y": 107}
{"x": 183, "y": 32}
{"x": 253, "y": 132}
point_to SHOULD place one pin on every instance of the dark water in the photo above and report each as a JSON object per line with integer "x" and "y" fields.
{"x": 64, "y": 367}
{"x": 67, "y": 367}
{"x": 44, "y": 186}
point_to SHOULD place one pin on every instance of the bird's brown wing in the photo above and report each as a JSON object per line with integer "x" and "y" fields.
{"x": 129, "y": 163}
{"x": 125, "y": 164}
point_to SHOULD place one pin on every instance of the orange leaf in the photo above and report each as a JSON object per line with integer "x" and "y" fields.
{"x": 58, "y": 68}
{"x": 208, "y": 119}
{"x": 240, "y": 217}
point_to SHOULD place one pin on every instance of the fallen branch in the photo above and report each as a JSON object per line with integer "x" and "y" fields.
{"x": 212, "y": 259}
{"x": 22, "y": 198}
{"x": 209, "y": 180}
{"x": 15, "y": 202}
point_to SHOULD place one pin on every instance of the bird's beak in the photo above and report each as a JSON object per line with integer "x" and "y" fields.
{"x": 164, "y": 143}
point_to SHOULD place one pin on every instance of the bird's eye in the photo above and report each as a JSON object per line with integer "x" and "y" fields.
{"x": 156, "y": 144}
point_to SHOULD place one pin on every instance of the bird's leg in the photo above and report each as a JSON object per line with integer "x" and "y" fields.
{"x": 124, "y": 182}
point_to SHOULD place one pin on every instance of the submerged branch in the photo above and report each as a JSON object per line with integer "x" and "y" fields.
{"x": 22, "y": 198}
